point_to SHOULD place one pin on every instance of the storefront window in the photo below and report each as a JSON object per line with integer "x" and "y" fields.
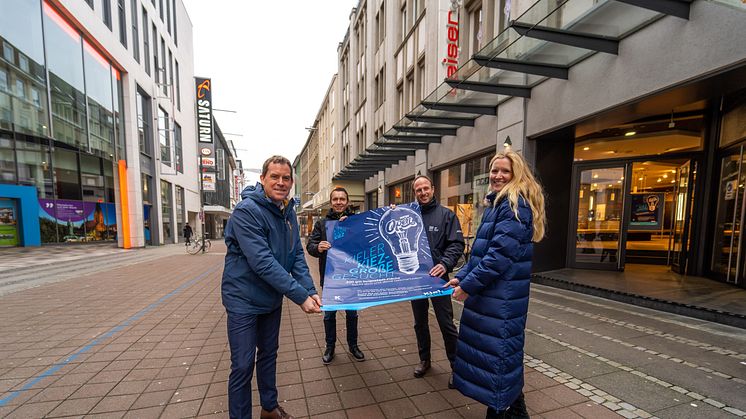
{"x": 166, "y": 209}
{"x": 465, "y": 197}
{"x": 118, "y": 117}
{"x": 34, "y": 165}
{"x": 100, "y": 102}
{"x": 109, "y": 180}
{"x": 66, "y": 174}
{"x": 7, "y": 161}
{"x": 65, "y": 62}
{"x": 371, "y": 200}
{"x": 92, "y": 178}
{"x": 179, "y": 210}
{"x": 401, "y": 193}
{"x": 23, "y": 99}
{"x": 163, "y": 137}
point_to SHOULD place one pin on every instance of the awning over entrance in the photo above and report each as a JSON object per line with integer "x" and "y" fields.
{"x": 544, "y": 42}
{"x": 218, "y": 210}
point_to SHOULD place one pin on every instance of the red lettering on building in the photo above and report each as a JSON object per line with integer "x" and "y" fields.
{"x": 451, "y": 59}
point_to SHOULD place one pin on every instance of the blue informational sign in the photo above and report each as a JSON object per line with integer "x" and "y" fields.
{"x": 379, "y": 257}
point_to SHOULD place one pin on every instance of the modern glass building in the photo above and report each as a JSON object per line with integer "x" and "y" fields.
{"x": 70, "y": 79}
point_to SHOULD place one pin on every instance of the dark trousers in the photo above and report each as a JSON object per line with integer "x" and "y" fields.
{"x": 444, "y": 314}
{"x": 253, "y": 337}
{"x": 330, "y": 327}
{"x": 517, "y": 410}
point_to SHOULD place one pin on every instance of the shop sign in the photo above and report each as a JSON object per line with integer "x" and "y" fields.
{"x": 208, "y": 182}
{"x": 730, "y": 190}
{"x": 450, "y": 61}
{"x": 8, "y": 223}
{"x": 204, "y": 109}
{"x": 208, "y": 162}
{"x": 205, "y": 151}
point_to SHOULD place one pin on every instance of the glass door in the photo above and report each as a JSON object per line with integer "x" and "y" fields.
{"x": 725, "y": 257}
{"x": 600, "y": 211}
{"x": 683, "y": 207}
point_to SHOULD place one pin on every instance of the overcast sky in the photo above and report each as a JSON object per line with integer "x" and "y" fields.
{"x": 271, "y": 62}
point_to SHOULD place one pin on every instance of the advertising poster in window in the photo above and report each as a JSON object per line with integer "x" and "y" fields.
{"x": 647, "y": 211}
{"x": 8, "y": 223}
{"x": 69, "y": 221}
{"x": 379, "y": 257}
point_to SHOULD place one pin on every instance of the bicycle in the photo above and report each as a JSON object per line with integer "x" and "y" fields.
{"x": 195, "y": 245}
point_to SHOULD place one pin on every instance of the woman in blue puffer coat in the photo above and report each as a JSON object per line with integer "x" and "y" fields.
{"x": 494, "y": 287}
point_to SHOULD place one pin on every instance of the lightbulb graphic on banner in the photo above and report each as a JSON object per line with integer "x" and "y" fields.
{"x": 401, "y": 231}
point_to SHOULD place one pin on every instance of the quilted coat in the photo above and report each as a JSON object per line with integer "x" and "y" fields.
{"x": 489, "y": 356}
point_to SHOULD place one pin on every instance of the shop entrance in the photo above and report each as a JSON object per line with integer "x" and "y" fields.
{"x": 632, "y": 212}
{"x": 633, "y": 192}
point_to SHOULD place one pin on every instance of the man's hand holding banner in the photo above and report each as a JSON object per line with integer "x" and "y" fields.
{"x": 378, "y": 257}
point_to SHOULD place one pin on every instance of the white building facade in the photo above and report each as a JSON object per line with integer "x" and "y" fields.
{"x": 112, "y": 95}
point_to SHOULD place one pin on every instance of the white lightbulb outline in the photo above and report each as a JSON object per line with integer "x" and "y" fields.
{"x": 396, "y": 227}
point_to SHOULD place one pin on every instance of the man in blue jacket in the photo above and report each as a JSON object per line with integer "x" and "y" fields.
{"x": 446, "y": 246}
{"x": 264, "y": 262}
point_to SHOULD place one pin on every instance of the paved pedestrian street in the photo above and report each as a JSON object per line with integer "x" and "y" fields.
{"x": 149, "y": 340}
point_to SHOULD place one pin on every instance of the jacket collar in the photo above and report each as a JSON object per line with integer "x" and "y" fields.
{"x": 425, "y": 208}
{"x": 332, "y": 215}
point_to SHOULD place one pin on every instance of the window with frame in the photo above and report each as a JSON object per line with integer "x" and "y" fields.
{"x": 156, "y": 66}
{"x": 404, "y": 23}
{"x": 380, "y": 26}
{"x": 178, "y": 149}
{"x": 400, "y": 102}
{"x": 145, "y": 41}
{"x": 411, "y": 102}
{"x": 220, "y": 163}
{"x": 163, "y": 136}
{"x": 380, "y": 84}
{"x": 401, "y": 193}
{"x": 421, "y": 92}
{"x": 178, "y": 85}
{"x": 122, "y": 8}
{"x": 135, "y": 32}
{"x": 106, "y": 12}
{"x": 475, "y": 27}
{"x": 144, "y": 129}
{"x": 176, "y": 31}
{"x": 163, "y": 70}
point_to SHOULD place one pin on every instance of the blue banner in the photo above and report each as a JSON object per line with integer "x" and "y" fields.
{"x": 379, "y": 257}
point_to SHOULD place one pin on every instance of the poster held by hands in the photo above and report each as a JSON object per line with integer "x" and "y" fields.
{"x": 379, "y": 257}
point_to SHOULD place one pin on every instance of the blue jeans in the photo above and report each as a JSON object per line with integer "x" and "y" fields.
{"x": 330, "y": 327}
{"x": 253, "y": 337}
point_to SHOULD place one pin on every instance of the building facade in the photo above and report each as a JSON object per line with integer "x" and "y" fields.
{"x": 96, "y": 116}
{"x": 222, "y": 186}
{"x": 630, "y": 112}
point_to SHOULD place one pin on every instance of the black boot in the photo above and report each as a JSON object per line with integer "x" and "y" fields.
{"x": 421, "y": 369}
{"x": 328, "y": 355}
{"x": 357, "y": 354}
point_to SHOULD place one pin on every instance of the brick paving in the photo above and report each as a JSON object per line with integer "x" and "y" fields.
{"x": 149, "y": 340}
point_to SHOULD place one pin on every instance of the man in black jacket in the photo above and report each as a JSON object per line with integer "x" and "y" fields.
{"x": 317, "y": 247}
{"x": 446, "y": 246}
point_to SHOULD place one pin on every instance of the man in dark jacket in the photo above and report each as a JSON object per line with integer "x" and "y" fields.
{"x": 446, "y": 246}
{"x": 187, "y": 233}
{"x": 317, "y": 247}
{"x": 264, "y": 262}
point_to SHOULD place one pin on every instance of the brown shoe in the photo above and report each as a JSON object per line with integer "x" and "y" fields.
{"x": 420, "y": 370}
{"x": 278, "y": 413}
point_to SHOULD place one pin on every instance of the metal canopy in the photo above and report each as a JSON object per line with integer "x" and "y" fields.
{"x": 670, "y": 7}
{"x": 497, "y": 89}
{"x": 459, "y": 108}
{"x": 452, "y": 120}
{"x": 574, "y": 39}
{"x": 548, "y": 70}
{"x": 408, "y": 146}
{"x": 544, "y": 42}
{"x": 426, "y": 130}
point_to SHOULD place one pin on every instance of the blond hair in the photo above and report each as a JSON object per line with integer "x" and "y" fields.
{"x": 523, "y": 184}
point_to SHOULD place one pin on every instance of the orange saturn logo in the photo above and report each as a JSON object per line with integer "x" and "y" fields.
{"x": 204, "y": 85}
